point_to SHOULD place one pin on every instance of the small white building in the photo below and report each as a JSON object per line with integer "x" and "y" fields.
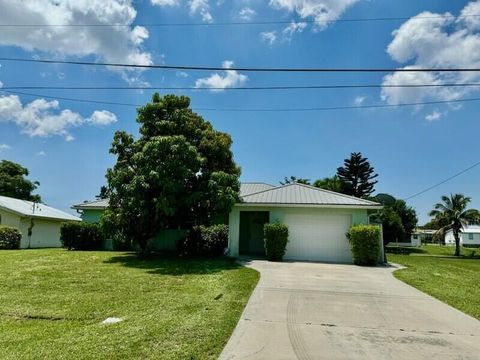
{"x": 420, "y": 236}
{"x": 469, "y": 237}
{"x": 38, "y": 223}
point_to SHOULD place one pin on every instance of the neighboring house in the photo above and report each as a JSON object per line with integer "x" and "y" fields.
{"x": 38, "y": 223}
{"x": 418, "y": 237}
{"x": 470, "y": 237}
{"x": 91, "y": 211}
{"x": 317, "y": 219}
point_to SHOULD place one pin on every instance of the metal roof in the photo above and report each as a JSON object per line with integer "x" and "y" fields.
{"x": 300, "y": 194}
{"x": 248, "y": 188}
{"x": 92, "y": 205}
{"x": 469, "y": 229}
{"x": 31, "y": 209}
{"x": 245, "y": 189}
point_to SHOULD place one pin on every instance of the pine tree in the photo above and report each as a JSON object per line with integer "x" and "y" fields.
{"x": 357, "y": 176}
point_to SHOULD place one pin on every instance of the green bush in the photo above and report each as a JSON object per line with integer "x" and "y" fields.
{"x": 81, "y": 236}
{"x": 276, "y": 239}
{"x": 365, "y": 244}
{"x": 9, "y": 238}
{"x": 205, "y": 240}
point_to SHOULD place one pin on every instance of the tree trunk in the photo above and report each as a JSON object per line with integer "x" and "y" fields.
{"x": 457, "y": 243}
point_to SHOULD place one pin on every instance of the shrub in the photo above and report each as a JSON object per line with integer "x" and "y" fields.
{"x": 203, "y": 240}
{"x": 276, "y": 239}
{"x": 365, "y": 244}
{"x": 9, "y": 238}
{"x": 81, "y": 236}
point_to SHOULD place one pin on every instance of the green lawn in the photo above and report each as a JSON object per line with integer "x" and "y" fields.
{"x": 52, "y": 303}
{"x": 433, "y": 270}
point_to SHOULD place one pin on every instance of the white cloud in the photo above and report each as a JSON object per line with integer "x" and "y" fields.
{"x": 292, "y": 28}
{"x": 433, "y": 116}
{"x": 324, "y": 12}
{"x": 107, "y": 43}
{"x": 269, "y": 37}
{"x": 427, "y": 40}
{"x": 41, "y": 153}
{"x": 4, "y": 147}
{"x": 102, "y": 117}
{"x": 246, "y": 13}
{"x": 201, "y": 7}
{"x": 165, "y": 2}
{"x": 229, "y": 78}
{"x": 359, "y": 100}
{"x": 42, "y": 118}
{"x": 182, "y": 74}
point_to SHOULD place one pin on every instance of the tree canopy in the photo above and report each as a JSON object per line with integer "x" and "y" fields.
{"x": 330, "y": 183}
{"x": 452, "y": 214}
{"x": 357, "y": 176}
{"x": 14, "y": 182}
{"x": 294, "y": 179}
{"x": 179, "y": 173}
{"x": 398, "y": 219}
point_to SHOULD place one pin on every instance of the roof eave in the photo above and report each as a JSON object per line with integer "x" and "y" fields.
{"x": 325, "y": 206}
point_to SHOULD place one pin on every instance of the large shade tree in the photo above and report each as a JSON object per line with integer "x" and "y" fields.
{"x": 14, "y": 182}
{"x": 452, "y": 214}
{"x": 179, "y": 173}
{"x": 357, "y": 176}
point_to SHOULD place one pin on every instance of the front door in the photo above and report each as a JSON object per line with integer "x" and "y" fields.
{"x": 251, "y": 232}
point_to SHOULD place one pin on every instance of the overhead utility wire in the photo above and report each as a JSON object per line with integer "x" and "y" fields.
{"x": 236, "y": 23}
{"x": 280, "y": 87}
{"x": 443, "y": 181}
{"x": 253, "y": 109}
{"x": 244, "y": 69}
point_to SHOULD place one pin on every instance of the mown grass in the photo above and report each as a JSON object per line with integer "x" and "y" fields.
{"x": 52, "y": 303}
{"x": 434, "y": 270}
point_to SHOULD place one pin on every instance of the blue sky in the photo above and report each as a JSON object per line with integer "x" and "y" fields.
{"x": 65, "y": 144}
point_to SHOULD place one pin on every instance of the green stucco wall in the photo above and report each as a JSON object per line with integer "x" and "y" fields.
{"x": 91, "y": 216}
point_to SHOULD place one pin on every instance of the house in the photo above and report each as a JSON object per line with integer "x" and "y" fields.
{"x": 418, "y": 237}
{"x": 38, "y": 223}
{"x": 469, "y": 237}
{"x": 318, "y": 220}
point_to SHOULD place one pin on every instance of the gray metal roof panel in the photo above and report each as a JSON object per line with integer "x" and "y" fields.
{"x": 31, "y": 209}
{"x": 248, "y": 188}
{"x": 300, "y": 194}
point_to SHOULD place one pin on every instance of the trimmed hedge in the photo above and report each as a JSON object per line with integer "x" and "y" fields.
{"x": 276, "y": 239}
{"x": 365, "y": 244}
{"x": 205, "y": 240}
{"x": 9, "y": 238}
{"x": 81, "y": 236}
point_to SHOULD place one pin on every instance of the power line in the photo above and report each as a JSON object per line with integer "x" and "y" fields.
{"x": 244, "y": 69}
{"x": 443, "y": 181}
{"x": 241, "y": 23}
{"x": 280, "y": 87}
{"x": 255, "y": 109}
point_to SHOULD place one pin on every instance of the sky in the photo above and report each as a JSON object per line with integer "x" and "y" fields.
{"x": 65, "y": 143}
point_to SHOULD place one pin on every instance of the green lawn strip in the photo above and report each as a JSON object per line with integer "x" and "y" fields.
{"x": 455, "y": 281}
{"x": 53, "y": 301}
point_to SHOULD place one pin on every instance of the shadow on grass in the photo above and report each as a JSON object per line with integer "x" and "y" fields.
{"x": 402, "y": 250}
{"x": 169, "y": 264}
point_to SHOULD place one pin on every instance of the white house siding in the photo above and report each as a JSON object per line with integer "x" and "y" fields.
{"x": 466, "y": 238}
{"x": 45, "y": 233}
{"x": 9, "y": 219}
{"x": 316, "y": 234}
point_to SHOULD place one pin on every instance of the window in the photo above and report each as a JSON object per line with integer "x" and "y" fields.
{"x": 470, "y": 236}
{"x": 415, "y": 236}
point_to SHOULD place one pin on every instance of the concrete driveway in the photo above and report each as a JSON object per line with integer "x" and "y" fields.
{"x": 330, "y": 311}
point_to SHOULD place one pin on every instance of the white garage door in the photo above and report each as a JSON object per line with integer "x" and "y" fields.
{"x": 318, "y": 237}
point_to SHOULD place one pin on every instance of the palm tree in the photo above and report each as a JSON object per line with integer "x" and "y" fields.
{"x": 453, "y": 215}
